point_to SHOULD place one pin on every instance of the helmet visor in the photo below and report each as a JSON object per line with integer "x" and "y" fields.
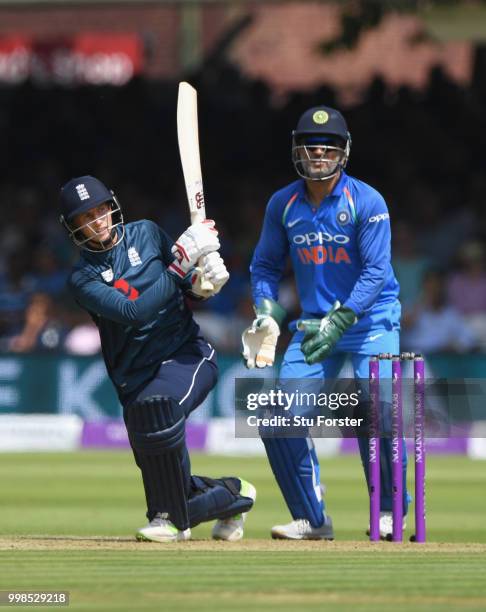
{"x": 99, "y": 233}
{"x": 318, "y": 158}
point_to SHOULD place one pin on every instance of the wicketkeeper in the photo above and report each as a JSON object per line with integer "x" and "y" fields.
{"x": 133, "y": 280}
{"x": 336, "y": 230}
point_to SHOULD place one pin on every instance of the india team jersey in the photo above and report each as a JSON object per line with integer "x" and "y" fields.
{"x": 339, "y": 250}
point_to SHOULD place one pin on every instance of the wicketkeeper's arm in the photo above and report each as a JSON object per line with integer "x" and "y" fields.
{"x": 267, "y": 266}
{"x": 374, "y": 242}
{"x": 270, "y": 256}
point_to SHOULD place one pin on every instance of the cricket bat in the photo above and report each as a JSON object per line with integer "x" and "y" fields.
{"x": 188, "y": 137}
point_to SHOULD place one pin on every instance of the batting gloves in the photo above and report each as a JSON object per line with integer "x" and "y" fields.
{"x": 322, "y": 335}
{"x": 199, "y": 239}
{"x": 213, "y": 269}
{"x": 260, "y": 339}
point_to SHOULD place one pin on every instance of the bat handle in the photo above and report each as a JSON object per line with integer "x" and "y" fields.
{"x": 206, "y": 285}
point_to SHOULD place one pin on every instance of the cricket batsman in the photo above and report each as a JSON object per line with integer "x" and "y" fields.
{"x": 133, "y": 280}
{"x": 336, "y": 230}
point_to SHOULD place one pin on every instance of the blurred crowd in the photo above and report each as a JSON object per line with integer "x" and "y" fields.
{"x": 422, "y": 150}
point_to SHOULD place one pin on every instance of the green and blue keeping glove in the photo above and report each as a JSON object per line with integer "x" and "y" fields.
{"x": 322, "y": 335}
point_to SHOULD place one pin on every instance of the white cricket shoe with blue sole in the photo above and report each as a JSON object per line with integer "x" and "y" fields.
{"x": 301, "y": 529}
{"x": 232, "y": 529}
{"x": 160, "y": 529}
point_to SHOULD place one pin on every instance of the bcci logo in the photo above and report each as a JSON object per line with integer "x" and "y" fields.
{"x": 320, "y": 117}
{"x": 343, "y": 217}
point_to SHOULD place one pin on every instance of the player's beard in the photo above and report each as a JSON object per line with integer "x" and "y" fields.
{"x": 321, "y": 170}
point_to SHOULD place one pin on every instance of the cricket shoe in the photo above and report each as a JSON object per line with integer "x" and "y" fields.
{"x": 231, "y": 529}
{"x": 160, "y": 529}
{"x": 301, "y": 529}
{"x": 386, "y": 525}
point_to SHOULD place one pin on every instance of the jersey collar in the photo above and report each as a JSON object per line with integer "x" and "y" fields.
{"x": 339, "y": 186}
{"x": 337, "y": 192}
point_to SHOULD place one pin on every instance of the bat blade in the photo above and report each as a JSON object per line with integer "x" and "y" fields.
{"x": 188, "y": 136}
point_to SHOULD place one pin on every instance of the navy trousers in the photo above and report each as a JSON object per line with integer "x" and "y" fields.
{"x": 187, "y": 378}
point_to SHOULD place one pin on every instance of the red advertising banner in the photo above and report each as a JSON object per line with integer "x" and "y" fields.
{"x": 82, "y": 59}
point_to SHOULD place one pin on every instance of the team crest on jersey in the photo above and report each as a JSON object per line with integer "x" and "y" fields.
{"x": 134, "y": 257}
{"x": 343, "y": 217}
{"x": 107, "y": 275}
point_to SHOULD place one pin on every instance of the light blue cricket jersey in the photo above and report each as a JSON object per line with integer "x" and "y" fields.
{"x": 339, "y": 251}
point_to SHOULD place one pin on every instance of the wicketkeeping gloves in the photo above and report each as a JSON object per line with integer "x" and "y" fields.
{"x": 322, "y": 335}
{"x": 199, "y": 239}
{"x": 214, "y": 270}
{"x": 260, "y": 339}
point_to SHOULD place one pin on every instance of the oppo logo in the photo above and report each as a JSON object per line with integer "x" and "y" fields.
{"x": 377, "y": 218}
{"x": 320, "y": 238}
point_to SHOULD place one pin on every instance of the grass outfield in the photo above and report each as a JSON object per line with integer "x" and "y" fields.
{"x": 67, "y": 522}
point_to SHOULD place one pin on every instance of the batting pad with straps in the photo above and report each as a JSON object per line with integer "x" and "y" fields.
{"x": 216, "y": 498}
{"x": 156, "y": 429}
{"x": 296, "y": 469}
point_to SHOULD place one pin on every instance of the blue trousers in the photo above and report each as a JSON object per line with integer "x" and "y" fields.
{"x": 187, "y": 378}
{"x": 294, "y": 460}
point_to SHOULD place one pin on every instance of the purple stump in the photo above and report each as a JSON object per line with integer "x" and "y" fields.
{"x": 374, "y": 474}
{"x": 419, "y": 425}
{"x": 397, "y": 450}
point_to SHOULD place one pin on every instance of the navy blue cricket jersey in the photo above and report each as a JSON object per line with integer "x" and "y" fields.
{"x": 137, "y": 305}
